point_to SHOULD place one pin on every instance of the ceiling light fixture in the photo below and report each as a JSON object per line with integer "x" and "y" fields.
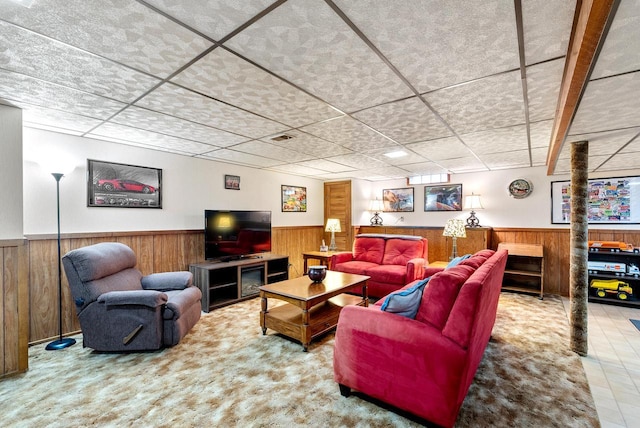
{"x": 396, "y": 154}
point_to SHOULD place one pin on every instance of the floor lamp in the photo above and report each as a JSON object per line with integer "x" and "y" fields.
{"x": 60, "y": 343}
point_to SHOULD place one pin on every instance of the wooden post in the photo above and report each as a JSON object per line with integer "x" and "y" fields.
{"x": 578, "y": 272}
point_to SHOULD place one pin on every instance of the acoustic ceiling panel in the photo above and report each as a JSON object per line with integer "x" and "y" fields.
{"x": 497, "y": 140}
{"x": 448, "y": 45}
{"x": 409, "y": 157}
{"x": 226, "y": 77}
{"x": 308, "y": 44}
{"x": 121, "y": 30}
{"x": 349, "y": 133}
{"x": 357, "y": 161}
{"x": 228, "y": 155}
{"x": 503, "y": 160}
{"x": 306, "y": 143}
{"x": 325, "y": 165}
{"x": 462, "y": 165}
{"x": 425, "y": 168}
{"x": 547, "y": 27}
{"x": 271, "y": 151}
{"x": 62, "y": 121}
{"x": 543, "y": 86}
{"x": 404, "y": 121}
{"x": 444, "y": 148}
{"x": 298, "y": 170}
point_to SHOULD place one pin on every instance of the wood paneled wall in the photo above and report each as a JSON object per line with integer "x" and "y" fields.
{"x": 14, "y": 307}
{"x": 175, "y": 250}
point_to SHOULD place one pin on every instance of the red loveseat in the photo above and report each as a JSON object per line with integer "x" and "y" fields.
{"x": 392, "y": 261}
{"x": 423, "y": 365}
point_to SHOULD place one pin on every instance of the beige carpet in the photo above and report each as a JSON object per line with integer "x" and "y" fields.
{"x": 225, "y": 373}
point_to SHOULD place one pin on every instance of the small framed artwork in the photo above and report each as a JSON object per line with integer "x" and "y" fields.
{"x": 119, "y": 185}
{"x": 443, "y": 197}
{"x": 294, "y": 199}
{"x": 398, "y": 200}
{"x": 232, "y": 182}
{"x": 614, "y": 200}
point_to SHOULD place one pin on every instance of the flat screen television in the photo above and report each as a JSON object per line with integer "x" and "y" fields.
{"x": 231, "y": 235}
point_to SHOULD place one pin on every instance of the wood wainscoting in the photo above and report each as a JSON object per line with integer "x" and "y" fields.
{"x": 14, "y": 307}
{"x": 157, "y": 251}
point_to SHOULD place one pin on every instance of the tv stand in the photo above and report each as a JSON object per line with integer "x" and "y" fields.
{"x": 231, "y": 280}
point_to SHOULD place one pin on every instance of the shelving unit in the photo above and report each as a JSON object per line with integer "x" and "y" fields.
{"x": 621, "y": 269}
{"x": 525, "y": 268}
{"x": 224, "y": 283}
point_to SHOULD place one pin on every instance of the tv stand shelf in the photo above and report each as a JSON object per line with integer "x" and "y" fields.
{"x": 225, "y": 282}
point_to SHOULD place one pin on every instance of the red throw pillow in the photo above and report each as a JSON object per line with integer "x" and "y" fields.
{"x": 368, "y": 250}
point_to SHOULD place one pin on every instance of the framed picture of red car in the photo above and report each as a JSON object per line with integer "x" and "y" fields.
{"x": 119, "y": 185}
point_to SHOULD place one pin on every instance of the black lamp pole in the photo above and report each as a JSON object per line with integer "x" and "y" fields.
{"x": 60, "y": 343}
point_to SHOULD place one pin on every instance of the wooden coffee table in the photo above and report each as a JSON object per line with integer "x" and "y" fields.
{"x": 312, "y": 308}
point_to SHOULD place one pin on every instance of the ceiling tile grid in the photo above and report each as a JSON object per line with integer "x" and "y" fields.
{"x": 543, "y": 86}
{"x": 349, "y": 133}
{"x": 308, "y": 44}
{"x": 271, "y": 151}
{"x": 547, "y": 28}
{"x": 307, "y": 143}
{"x": 61, "y": 120}
{"x": 497, "y": 140}
{"x": 229, "y": 155}
{"x": 325, "y": 165}
{"x": 444, "y": 148}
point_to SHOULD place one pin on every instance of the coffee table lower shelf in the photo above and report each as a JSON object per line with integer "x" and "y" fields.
{"x": 288, "y": 319}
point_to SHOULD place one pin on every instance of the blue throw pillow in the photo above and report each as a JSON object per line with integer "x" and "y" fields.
{"x": 457, "y": 260}
{"x": 405, "y": 302}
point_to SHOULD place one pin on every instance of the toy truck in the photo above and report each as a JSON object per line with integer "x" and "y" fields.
{"x": 618, "y": 269}
{"x": 611, "y": 246}
{"x": 602, "y": 287}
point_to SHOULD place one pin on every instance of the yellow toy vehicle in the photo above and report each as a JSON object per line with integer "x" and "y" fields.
{"x": 621, "y": 289}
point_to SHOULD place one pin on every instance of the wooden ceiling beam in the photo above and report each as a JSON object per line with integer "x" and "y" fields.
{"x": 591, "y": 21}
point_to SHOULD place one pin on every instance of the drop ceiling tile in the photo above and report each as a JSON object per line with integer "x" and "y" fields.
{"x": 23, "y": 89}
{"x": 296, "y": 169}
{"x": 620, "y": 161}
{"x": 325, "y": 165}
{"x": 610, "y": 103}
{"x": 309, "y": 45}
{"x": 540, "y": 133}
{"x": 497, "y": 140}
{"x": 307, "y": 143}
{"x": 604, "y": 143}
{"x": 425, "y": 168}
{"x": 126, "y": 133}
{"x": 215, "y": 18}
{"x": 226, "y": 77}
{"x": 444, "y": 148}
{"x": 426, "y": 40}
{"x": 173, "y": 100}
{"x": 390, "y": 172}
{"x": 228, "y": 155}
{"x": 358, "y": 161}
{"x": 121, "y": 30}
{"x": 539, "y": 156}
{"x": 49, "y": 60}
{"x": 60, "y": 120}
{"x": 136, "y": 144}
{"x": 460, "y": 165}
{"x": 409, "y": 158}
{"x": 619, "y": 53}
{"x": 349, "y": 133}
{"x": 271, "y": 151}
{"x": 492, "y": 102}
{"x": 563, "y": 166}
{"x": 547, "y": 28}
{"x": 138, "y": 117}
{"x": 543, "y": 86}
{"x": 504, "y": 160}
{"x": 404, "y": 121}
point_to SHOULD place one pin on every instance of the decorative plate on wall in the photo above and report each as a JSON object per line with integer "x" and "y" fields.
{"x": 520, "y": 188}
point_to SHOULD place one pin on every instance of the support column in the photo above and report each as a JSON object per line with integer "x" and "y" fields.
{"x": 578, "y": 272}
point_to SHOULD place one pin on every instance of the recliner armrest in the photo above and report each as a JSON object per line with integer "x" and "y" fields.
{"x": 150, "y": 298}
{"x": 165, "y": 281}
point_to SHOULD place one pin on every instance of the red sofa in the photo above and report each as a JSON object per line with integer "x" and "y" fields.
{"x": 392, "y": 261}
{"x": 423, "y": 365}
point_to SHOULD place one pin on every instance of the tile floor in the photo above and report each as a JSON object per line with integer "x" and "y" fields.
{"x": 613, "y": 364}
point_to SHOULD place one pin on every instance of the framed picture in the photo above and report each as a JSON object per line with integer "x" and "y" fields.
{"x": 446, "y": 197}
{"x": 294, "y": 199}
{"x": 613, "y": 200}
{"x": 232, "y": 182}
{"x": 398, "y": 200}
{"x": 123, "y": 186}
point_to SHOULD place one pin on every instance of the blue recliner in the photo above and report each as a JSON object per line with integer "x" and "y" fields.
{"x": 119, "y": 309}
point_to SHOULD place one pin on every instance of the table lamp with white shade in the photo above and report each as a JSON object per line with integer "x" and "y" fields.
{"x": 455, "y": 229}
{"x": 472, "y": 202}
{"x": 376, "y": 206}
{"x": 333, "y": 226}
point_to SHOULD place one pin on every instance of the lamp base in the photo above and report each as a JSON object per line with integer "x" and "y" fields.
{"x": 60, "y": 344}
{"x": 332, "y": 245}
{"x": 376, "y": 220}
{"x": 473, "y": 221}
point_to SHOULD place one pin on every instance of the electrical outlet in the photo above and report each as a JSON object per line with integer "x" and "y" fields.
{"x": 401, "y": 218}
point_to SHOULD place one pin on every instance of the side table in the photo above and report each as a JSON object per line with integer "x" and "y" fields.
{"x": 323, "y": 256}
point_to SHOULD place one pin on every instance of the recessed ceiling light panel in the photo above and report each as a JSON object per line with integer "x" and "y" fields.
{"x": 396, "y": 154}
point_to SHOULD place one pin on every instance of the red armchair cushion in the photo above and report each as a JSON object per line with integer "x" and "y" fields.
{"x": 440, "y": 295}
{"x": 400, "y": 251}
{"x": 368, "y": 250}
{"x": 389, "y": 274}
{"x": 354, "y": 266}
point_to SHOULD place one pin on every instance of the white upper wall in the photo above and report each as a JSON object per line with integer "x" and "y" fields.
{"x": 11, "y": 203}
{"x": 189, "y": 186}
{"x": 500, "y": 209}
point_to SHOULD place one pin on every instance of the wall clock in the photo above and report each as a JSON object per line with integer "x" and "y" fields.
{"x": 520, "y": 188}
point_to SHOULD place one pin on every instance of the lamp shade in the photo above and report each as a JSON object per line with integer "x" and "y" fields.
{"x": 472, "y": 202}
{"x": 376, "y": 205}
{"x": 333, "y": 225}
{"x": 455, "y": 227}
